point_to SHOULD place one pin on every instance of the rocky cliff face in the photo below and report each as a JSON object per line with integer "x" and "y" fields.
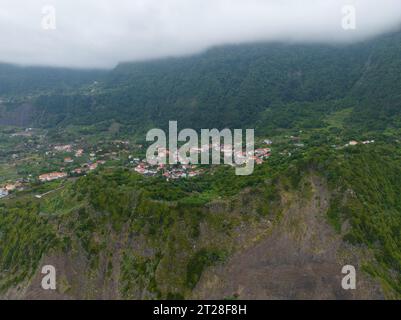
{"x": 293, "y": 253}
{"x": 302, "y": 258}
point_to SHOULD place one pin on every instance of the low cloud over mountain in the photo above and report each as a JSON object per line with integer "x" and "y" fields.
{"x": 101, "y": 33}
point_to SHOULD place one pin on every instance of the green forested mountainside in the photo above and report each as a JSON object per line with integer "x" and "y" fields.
{"x": 19, "y": 80}
{"x": 225, "y": 87}
{"x": 378, "y": 89}
{"x": 270, "y": 86}
{"x": 145, "y": 237}
{"x": 366, "y": 187}
{"x": 115, "y": 220}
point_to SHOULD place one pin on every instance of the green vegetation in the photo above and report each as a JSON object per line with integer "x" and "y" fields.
{"x": 370, "y": 188}
{"x": 155, "y": 238}
{"x": 96, "y": 210}
{"x": 202, "y": 259}
{"x": 16, "y": 80}
{"x": 271, "y": 86}
{"x": 24, "y": 238}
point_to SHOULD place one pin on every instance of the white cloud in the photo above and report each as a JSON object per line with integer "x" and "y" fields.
{"x": 101, "y": 33}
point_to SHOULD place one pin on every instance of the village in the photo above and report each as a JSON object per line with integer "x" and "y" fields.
{"x": 6, "y": 189}
{"x": 77, "y": 159}
{"x": 73, "y": 161}
{"x": 185, "y": 169}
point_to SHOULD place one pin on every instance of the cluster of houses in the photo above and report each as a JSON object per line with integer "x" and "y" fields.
{"x": 261, "y": 155}
{"x": 52, "y": 176}
{"x": 355, "y": 143}
{"x": 184, "y": 170}
{"x": 6, "y": 189}
{"x": 78, "y": 153}
{"x": 169, "y": 172}
{"x": 68, "y": 148}
{"x": 63, "y": 148}
{"x": 178, "y": 171}
{"x": 47, "y": 177}
{"x": 91, "y": 165}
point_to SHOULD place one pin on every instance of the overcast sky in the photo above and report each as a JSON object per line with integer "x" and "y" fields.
{"x": 101, "y": 33}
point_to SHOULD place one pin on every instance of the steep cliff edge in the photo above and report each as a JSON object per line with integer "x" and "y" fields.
{"x": 231, "y": 251}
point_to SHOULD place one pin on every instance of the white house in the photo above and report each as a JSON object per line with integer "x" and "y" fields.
{"x": 3, "y": 193}
{"x": 268, "y": 142}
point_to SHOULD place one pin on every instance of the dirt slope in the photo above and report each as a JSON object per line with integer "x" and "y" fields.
{"x": 301, "y": 259}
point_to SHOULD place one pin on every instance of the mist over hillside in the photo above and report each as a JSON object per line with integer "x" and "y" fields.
{"x": 262, "y": 85}
{"x": 102, "y": 33}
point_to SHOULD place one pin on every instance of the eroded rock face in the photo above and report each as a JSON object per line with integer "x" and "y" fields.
{"x": 76, "y": 277}
{"x": 298, "y": 256}
{"x": 301, "y": 259}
